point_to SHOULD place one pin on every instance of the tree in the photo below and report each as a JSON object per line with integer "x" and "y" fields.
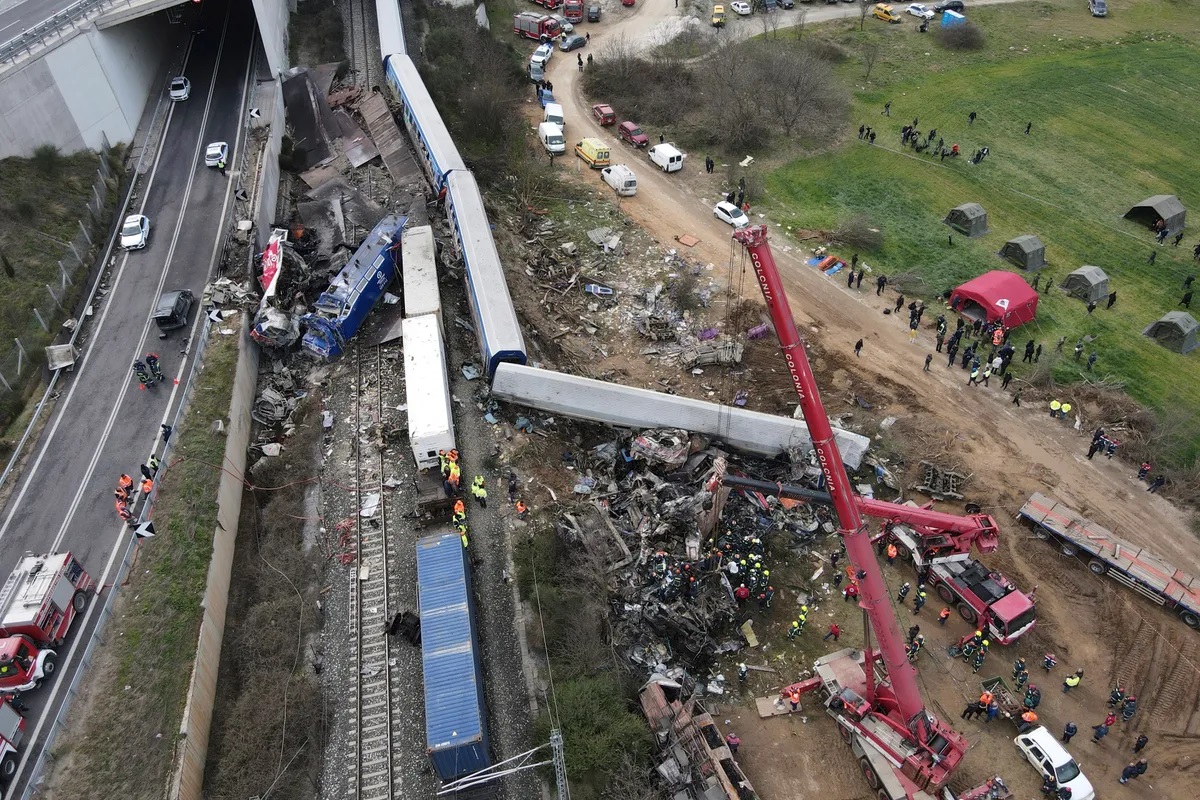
{"x": 805, "y": 93}
{"x": 864, "y": 8}
{"x": 870, "y": 54}
{"x": 801, "y": 19}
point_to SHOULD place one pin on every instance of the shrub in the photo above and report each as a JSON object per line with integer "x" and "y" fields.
{"x": 858, "y": 231}
{"x": 967, "y": 36}
{"x": 47, "y": 159}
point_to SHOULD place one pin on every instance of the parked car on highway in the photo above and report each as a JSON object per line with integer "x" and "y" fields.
{"x": 630, "y": 132}
{"x": 740, "y": 8}
{"x": 181, "y": 88}
{"x": 604, "y": 114}
{"x": 572, "y": 42}
{"x": 172, "y": 310}
{"x": 919, "y": 10}
{"x": 949, "y": 5}
{"x": 135, "y": 232}
{"x": 1051, "y": 759}
{"x": 729, "y": 213}
{"x": 1099, "y": 8}
{"x": 215, "y": 153}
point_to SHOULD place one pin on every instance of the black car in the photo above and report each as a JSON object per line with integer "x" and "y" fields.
{"x": 787, "y": 3}
{"x": 949, "y": 5}
{"x": 593, "y": 13}
{"x": 172, "y": 310}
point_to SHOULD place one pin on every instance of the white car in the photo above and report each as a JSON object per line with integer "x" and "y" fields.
{"x": 728, "y": 212}
{"x": 740, "y": 8}
{"x": 215, "y": 153}
{"x": 565, "y": 26}
{"x": 181, "y": 88}
{"x": 918, "y": 10}
{"x": 135, "y": 232}
{"x": 1050, "y": 758}
{"x": 543, "y": 54}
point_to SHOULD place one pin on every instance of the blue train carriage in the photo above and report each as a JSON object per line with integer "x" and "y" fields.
{"x": 496, "y": 325}
{"x": 456, "y": 733}
{"x": 391, "y": 28}
{"x": 438, "y": 154}
{"x": 342, "y": 308}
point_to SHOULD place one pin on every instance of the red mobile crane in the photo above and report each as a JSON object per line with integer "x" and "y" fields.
{"x": 906, "y": 753}
{"x": 939, "y": 545}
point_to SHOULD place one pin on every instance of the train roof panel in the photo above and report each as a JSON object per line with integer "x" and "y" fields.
{"x": 449, "y": 651}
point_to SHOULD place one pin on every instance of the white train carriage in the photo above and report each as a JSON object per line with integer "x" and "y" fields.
{"x": 496, "y": 324}
{"x": 434, "y": 146}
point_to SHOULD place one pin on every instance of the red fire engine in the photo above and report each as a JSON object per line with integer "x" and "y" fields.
{"x": 12, "y": 731}
{"x": 37, "y": 605}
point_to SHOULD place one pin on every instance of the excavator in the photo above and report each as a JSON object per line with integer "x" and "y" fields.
{"x": 905, "y": 752}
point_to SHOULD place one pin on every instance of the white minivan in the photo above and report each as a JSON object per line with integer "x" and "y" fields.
{"x": 621, "y": 179}
{"x": 551, "y": 137}
{"x": 554, "y": 114}
{"x": 667, "y": 157}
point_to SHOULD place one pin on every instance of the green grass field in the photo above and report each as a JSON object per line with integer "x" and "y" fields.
{"x": 1112, "y": 102}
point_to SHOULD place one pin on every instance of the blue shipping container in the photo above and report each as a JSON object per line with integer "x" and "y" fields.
{"x": 342, "y": 308}
{"x": 455, "y": 717}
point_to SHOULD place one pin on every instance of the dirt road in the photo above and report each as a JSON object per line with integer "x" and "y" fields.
{"x": 1089, "y": 622}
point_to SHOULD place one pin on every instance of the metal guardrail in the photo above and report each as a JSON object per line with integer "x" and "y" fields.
{"x": 25, "y": 41}
{"x": 33, "y": 782}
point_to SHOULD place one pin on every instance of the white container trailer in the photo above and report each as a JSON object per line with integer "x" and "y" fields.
{"x": 418, "y": 254}
{"x": 427, "y": 387}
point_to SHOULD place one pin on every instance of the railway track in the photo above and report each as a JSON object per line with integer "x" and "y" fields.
{"x": 361, "y": 37}
{"x": 373, "y": 777}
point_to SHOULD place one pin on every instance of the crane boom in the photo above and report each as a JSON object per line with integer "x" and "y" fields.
{"x": 941, "y": 744}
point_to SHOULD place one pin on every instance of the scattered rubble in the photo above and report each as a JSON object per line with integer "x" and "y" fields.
{"x": 941, "y": 483}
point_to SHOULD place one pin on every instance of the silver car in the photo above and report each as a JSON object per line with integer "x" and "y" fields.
{"x": 181, "y": 88}
{"x": 135, "y": 232}
{"x": 215, "y": 153}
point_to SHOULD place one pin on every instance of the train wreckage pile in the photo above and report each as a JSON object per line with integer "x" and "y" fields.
{"x": 689, "y": 557}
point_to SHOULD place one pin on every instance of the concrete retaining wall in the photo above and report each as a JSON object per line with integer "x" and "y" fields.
{"x": 272, "y": 16}
{"x": 92, "y": 84}
{"x": 267, "y": 196}
{"x": 188, "y": 780}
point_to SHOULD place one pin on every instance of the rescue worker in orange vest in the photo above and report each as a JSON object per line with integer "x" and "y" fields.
{"x": 794, "y": 698}
{"x": 147, "y": 487}
{"x": 121, "y": 495}
{"x": 986, "y": 697}
{"x": 125, "y": 482}
{"x": 1029, "y": 718}
{"x": 998, "y": 337}
{"x": 460, "y": 512}
{"x": 943, "y": 615}
{"x": 522, "y": 510}
{"x": 892, "y": 552}
{"x": 123, "y": 511}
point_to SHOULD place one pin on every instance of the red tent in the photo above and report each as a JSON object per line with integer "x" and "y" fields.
{"x": 999, "y": 296}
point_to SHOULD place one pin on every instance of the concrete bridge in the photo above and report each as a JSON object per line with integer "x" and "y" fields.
{"x": 75, "y": 71}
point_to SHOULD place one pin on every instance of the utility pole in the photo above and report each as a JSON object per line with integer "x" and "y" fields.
{"x": 560, "y": 764}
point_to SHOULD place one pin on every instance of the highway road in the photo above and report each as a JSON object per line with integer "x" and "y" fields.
{"x": 17, "y": 16}
{"x": 103, "y": 423}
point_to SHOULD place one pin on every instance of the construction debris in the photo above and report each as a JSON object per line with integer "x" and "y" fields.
{"x": 941, "y": 483}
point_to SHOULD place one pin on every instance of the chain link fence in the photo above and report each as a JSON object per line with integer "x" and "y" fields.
{"x": 21, "y": 358}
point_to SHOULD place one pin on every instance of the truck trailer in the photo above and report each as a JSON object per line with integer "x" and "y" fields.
{"x": 1108, "y": 554}
{"x": 456, "y": 732}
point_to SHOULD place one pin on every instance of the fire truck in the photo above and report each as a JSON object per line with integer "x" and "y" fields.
{"x": 905, "y": 752}
{"x": 39, "y": 601}
{"x": 939, "y": 546}
{"x": 12, "y": 731}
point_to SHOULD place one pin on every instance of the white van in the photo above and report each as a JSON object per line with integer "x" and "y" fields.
{"x": 554, "y": 114}
{"x": 667, "y": 157}
{"x": 621, "y": 179}
{"x": 551, "y": 137}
